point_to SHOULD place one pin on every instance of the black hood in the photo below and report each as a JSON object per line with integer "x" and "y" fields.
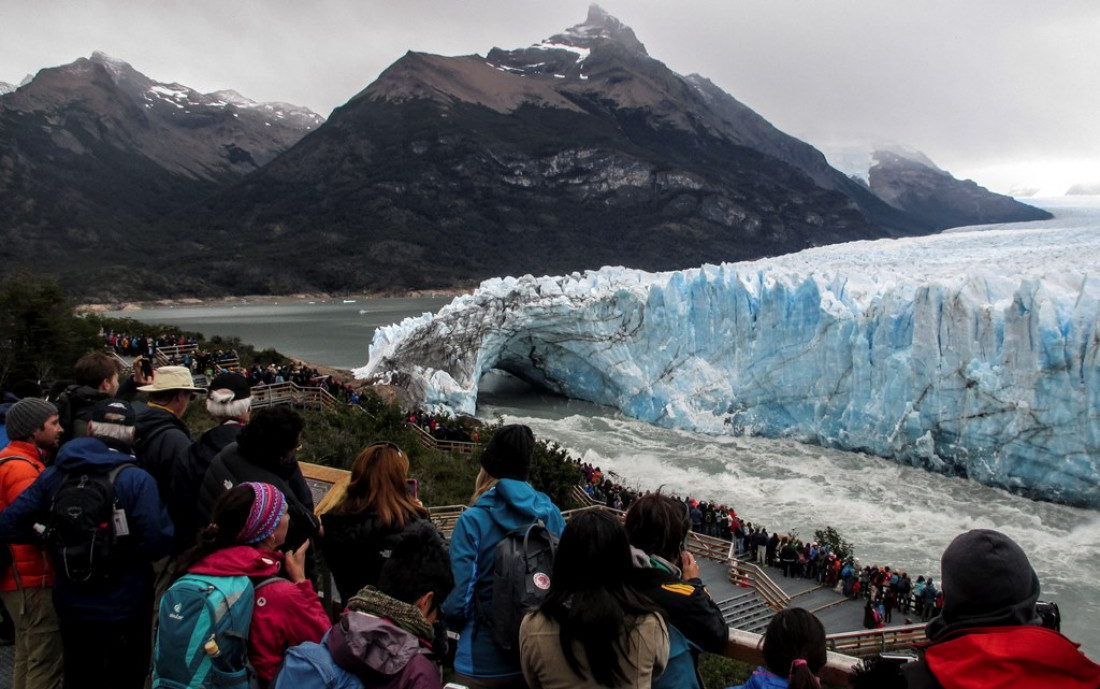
{"x": 987, "y": 581}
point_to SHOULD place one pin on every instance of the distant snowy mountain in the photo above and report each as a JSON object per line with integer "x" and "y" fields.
{"x": 5, "y": 87}
{"x": 95, "y": 155}
{"x": 910, "y": 181}
{"x": 972, "y": 353}
{"x": 1084, "y": 189}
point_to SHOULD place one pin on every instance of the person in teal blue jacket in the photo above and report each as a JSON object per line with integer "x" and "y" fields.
{"x": 502, "y": 501}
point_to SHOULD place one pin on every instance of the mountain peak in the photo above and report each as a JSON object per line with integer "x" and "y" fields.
{"x": 599, "y": 26}
{"x": 120, "y": 70}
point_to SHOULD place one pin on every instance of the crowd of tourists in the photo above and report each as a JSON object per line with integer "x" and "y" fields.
{"x": 175, "y": 350}
{"x": 884, "y": 590}
{"x": 120, "y": 528}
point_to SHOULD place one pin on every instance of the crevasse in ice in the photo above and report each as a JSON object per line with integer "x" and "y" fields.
{"x": 973, "y": 353}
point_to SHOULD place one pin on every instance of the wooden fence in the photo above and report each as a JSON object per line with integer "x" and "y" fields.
{"x": 429, "y": 440}
{"x": 292, "y": 393}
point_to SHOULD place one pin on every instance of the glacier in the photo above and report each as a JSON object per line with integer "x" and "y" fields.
{"x": 972, "y": 353}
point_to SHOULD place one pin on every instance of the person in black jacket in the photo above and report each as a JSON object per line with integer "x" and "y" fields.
{"x": 361, "y": 526}
{"x": 265, "y": 453}
{"x": 229, "y": 401}
{"x": 163, "y": 439}
{"x": 667, "y": 573}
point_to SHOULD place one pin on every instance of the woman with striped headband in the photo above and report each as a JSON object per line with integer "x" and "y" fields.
{"x": 249, "y": 525}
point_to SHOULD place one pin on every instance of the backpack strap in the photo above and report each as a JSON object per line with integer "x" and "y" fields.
{"x": 15, "y": 572}
{"x": 265, "y": 582}
{"x": 5, "y": 460}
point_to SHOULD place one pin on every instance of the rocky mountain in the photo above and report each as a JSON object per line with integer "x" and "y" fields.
{"x": 5, "y": 87}
{"x": 911, "y": 182}
{"x": 94, "y": 153}
{"x": 574, "y": 153}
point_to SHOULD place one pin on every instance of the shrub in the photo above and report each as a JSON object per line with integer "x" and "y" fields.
{"x": 837, "y": 544}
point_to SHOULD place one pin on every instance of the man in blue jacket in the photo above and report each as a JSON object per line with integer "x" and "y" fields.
{"x": 105, "y": 623}
{"x": 503, "y": 500}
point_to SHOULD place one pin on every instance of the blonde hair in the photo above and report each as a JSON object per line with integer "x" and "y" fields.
{"x": 377, "y": 483}
{"x": 482, "y": 485}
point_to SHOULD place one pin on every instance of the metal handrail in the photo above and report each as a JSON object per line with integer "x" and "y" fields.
{"x": 746, "y": 647}
{"x": 871, "y": 642}
{"x": 745, "y": 574}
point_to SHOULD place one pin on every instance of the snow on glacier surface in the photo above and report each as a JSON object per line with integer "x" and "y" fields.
{"x": 973, "y": 352}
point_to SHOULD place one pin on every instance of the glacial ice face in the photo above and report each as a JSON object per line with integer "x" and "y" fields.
{"x": 973, "y": 353}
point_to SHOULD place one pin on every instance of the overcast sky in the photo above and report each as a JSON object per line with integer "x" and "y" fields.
{"x": 1006, "y": 92}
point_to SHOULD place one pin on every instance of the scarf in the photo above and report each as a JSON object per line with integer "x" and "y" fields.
{"x": 405, "y": 615}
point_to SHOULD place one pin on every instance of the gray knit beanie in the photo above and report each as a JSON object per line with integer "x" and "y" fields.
{"x": 28, "y": 415}
{"x": 987, "y": 581}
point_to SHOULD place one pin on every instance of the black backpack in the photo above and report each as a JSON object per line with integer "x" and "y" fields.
{"x": 521, "y": 580}
{"x": 86, "y": 521}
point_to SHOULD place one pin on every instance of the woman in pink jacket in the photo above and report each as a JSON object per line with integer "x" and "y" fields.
{"x": 250, "y": 524}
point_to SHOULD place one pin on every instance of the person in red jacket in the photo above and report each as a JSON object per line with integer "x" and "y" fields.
{"x": 26, "y": 586}
{"x": 989, "y": 633}
{"x": 250, "y": 524}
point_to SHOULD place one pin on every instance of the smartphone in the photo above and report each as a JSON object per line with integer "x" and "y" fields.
{"x": 413, "y": 487}
{"x": 146, "y": 367}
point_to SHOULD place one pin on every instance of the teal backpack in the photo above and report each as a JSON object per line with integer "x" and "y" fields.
{"x": 202, "y": 633}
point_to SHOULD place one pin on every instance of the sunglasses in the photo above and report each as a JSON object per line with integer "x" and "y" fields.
{"x": 385, "y": 443}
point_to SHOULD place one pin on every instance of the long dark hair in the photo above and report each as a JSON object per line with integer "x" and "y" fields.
{"x": 589, "y": 597}
{"x": 794, "y": 647}
{"x": 230, "y": 515}
{"x": 658, "y": 525}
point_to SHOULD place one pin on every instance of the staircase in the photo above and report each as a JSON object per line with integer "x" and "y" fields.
{"x": 747, "y": 611}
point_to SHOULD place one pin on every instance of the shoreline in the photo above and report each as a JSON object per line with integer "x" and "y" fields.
{"x": 139, "y": 305}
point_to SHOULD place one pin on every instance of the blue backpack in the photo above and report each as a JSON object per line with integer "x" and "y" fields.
{"x": 202, "y": 633}
{"x": 310, "y": 666}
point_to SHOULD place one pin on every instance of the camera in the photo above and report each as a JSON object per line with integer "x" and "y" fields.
{"x": 1049, "y": 614}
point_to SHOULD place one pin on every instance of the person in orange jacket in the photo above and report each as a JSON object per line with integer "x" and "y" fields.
{"x": 26, "y": 586}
